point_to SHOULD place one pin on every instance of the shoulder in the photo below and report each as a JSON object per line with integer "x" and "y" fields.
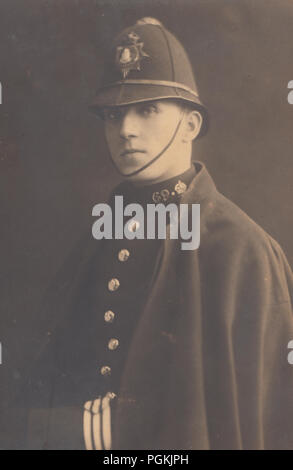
{"x": 238, "y": 249}
{"x": 224, "y": 223}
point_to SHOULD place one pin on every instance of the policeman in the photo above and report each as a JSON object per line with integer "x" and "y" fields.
{"x": 190, "y": 362}
{"x": 154, "y": 347}
{"x": 152, "y": 112}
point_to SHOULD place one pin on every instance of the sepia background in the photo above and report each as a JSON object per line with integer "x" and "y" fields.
{"x": 53, "y": 158}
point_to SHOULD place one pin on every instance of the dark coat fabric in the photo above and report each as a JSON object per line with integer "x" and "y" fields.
{"x": 207, "y": 360}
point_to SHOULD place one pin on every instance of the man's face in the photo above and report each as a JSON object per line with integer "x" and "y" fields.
{"x": 137, "y": 133}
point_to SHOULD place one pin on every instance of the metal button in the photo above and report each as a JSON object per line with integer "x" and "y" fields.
{"x": 105, "y": 370}
{"x": 133, "y": 225}
{"x": 123, "y": 255}
{"x": 113, "y": 284}
{"x": 113, "y": 344}
{"x": 109, "y": 316}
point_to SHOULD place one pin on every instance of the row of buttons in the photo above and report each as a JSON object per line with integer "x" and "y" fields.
{"x": 114, "y": 283}
{"x": 109, "y": 315}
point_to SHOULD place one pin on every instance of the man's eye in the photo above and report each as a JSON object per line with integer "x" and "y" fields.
{"x": 112, "y": 115}
{"x": 148, "y": 109}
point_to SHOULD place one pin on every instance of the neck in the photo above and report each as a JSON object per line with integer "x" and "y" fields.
{"x": 179, "y": 166}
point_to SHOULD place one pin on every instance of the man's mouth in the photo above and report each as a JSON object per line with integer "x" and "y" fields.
{"x": 131, "y": 151}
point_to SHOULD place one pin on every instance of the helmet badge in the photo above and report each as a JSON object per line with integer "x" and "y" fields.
{"x": 129, "y": 56}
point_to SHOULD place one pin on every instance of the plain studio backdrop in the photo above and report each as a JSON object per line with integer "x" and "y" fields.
{"x": 54, "y": 163}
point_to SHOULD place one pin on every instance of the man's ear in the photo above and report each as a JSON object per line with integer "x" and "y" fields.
{"x": 193, "y": 123}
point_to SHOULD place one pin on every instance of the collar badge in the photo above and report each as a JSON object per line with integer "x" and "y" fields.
{"x": 129, "y": 56}
{"x": 180, "y": 187}
{"x": 164, "y": 195}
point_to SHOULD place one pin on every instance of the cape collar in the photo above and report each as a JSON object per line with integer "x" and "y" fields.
{"x": 164, "y": 192}
{"x": 198, "y": 188}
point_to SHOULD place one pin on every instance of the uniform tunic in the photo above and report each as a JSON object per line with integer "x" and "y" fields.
{"x": 201, "y": 359}
{"x": 83, "y": 364}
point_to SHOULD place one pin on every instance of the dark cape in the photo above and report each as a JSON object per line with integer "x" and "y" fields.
{"x": 207, "y": 365}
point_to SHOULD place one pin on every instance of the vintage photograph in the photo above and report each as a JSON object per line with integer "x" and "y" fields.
{"x": 146, "y": 225}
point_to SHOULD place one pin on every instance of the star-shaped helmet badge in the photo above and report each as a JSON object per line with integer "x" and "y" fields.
{"x": 129, "y": 55}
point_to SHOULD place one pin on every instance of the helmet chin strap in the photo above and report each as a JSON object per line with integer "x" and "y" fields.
{"x": 156, "y": 157}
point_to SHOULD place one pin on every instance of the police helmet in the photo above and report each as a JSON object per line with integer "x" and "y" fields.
{"x": 148, "y": 63}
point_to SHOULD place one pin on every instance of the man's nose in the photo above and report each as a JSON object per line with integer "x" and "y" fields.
{"x": 129, "y": 124}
